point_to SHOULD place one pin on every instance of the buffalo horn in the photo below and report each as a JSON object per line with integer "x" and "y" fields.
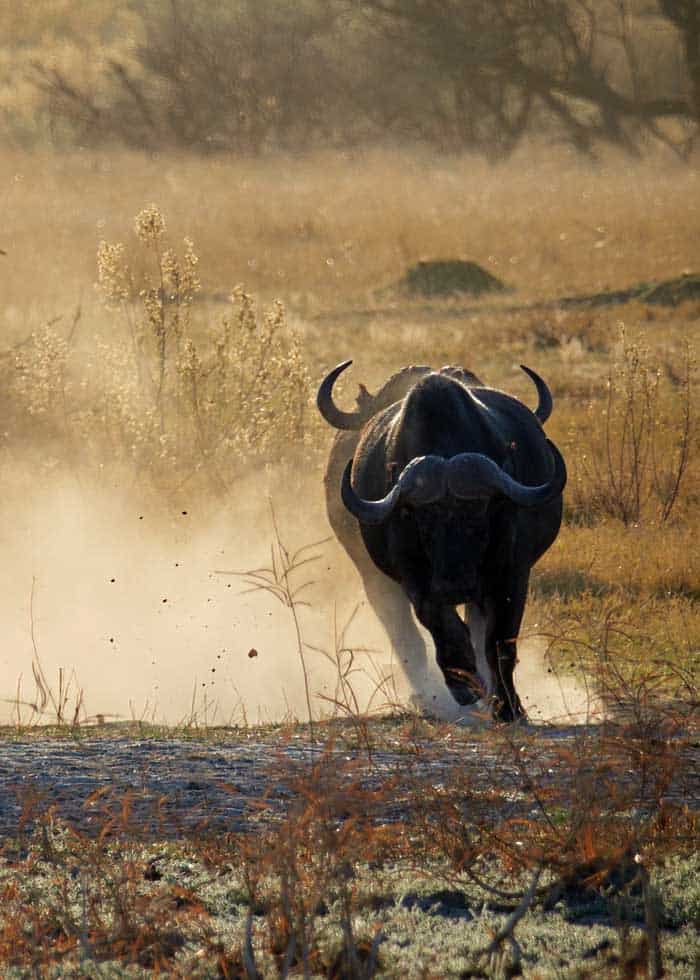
{"x": 468, "y": 476}
{"x": 544, "y": 408}
{"x": 472, "y": 476}
{"x": 422, "y": 481}
{"x": 326, "y": 406}
{"x": 367, "y": 511}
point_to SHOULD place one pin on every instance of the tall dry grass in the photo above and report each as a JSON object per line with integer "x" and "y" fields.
{"x": 328, "y": 230}
{"x": 174, "y": 401}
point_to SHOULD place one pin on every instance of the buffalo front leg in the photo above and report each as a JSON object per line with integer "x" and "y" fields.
{"x": 453, "y": 648}
{"x": 503, "y": 619}
{"x": 507, "y": 704}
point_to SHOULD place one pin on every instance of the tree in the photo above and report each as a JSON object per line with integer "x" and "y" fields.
{"x": 521, "y": 65}
{"x": 685, "y": 15}
{"x": 476, "y": 75}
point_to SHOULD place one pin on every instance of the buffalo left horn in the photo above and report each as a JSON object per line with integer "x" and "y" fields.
{"x": 327, "y": 407}
{"x": 472, "y": 476}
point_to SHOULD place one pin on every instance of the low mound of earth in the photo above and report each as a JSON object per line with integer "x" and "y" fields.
{"x": 668, "y": 292}
{"x": 450, "y": 277}
{"x": 453, "y": 278}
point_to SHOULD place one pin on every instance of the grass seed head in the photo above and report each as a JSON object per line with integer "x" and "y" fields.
{"x": 149, "y": 225}
{"x": 113, "y": 273}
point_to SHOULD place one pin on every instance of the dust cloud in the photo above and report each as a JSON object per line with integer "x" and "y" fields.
{"x": 551, "y": 696}
{"x": 142, "y": 610}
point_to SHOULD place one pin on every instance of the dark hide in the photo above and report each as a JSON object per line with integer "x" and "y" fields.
{"x": 452, "y": 550}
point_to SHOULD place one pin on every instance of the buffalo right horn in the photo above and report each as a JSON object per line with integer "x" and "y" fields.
{"x": 326, "y": 406}
{"x": 422, "y": 481}
{"x": 367, "y": 511}
{"x": 544, "y": 408}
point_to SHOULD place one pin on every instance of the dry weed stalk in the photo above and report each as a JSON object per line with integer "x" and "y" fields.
{"x": 308, "y": 859}
{"x": 238, "y": 395}
{"x": 632, "y": 666}
{"x": 346, "y": 701}
{"x": 493, "y": 955}
{"x": 278, "y": 580}
{"x": 45, "y": 695}
{"x": 637, "y": 459}
{"x": 97, "y": 913}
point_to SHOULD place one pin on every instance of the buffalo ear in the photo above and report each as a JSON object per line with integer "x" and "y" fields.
{"x": 364, "y": 398}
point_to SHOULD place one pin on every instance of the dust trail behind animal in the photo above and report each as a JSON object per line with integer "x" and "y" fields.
{"x": 142, "y": 608}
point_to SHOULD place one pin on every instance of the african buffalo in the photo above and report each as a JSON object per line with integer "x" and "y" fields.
{"x": 457, "y": 493}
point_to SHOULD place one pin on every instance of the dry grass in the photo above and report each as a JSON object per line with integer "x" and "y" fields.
{"x": 368, "y": 873}
{"x": 618, "y": 597}
{"x": 330, "y": 230}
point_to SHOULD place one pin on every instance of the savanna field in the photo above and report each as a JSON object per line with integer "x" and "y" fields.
{"x": 165, "y": 322}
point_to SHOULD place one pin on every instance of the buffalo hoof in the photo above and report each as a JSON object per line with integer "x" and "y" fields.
{"x": 464, "y": 694}
{"x": 477, "y": 714}
{"x": 508, "y": 712}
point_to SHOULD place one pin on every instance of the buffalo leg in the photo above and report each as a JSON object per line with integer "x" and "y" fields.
{"x": 455, "y": 656}
{"x": 480, "y": 626}
{"x": 507, "y": 706}
{"x": 503, "y": 625}
{"x": 386, "y": 597}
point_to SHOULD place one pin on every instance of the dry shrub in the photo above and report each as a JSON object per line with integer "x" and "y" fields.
{"x": 579, "y": 820}
{"x": 637, "y": 455}
{"x": 40, "y": 380}
{"x": 630, "y": 651}
{"x": 88, "y": 900}
{"x": 173, "y": 399}
{"x": 508, "y": 816}
{"x": 296, "y": 867}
